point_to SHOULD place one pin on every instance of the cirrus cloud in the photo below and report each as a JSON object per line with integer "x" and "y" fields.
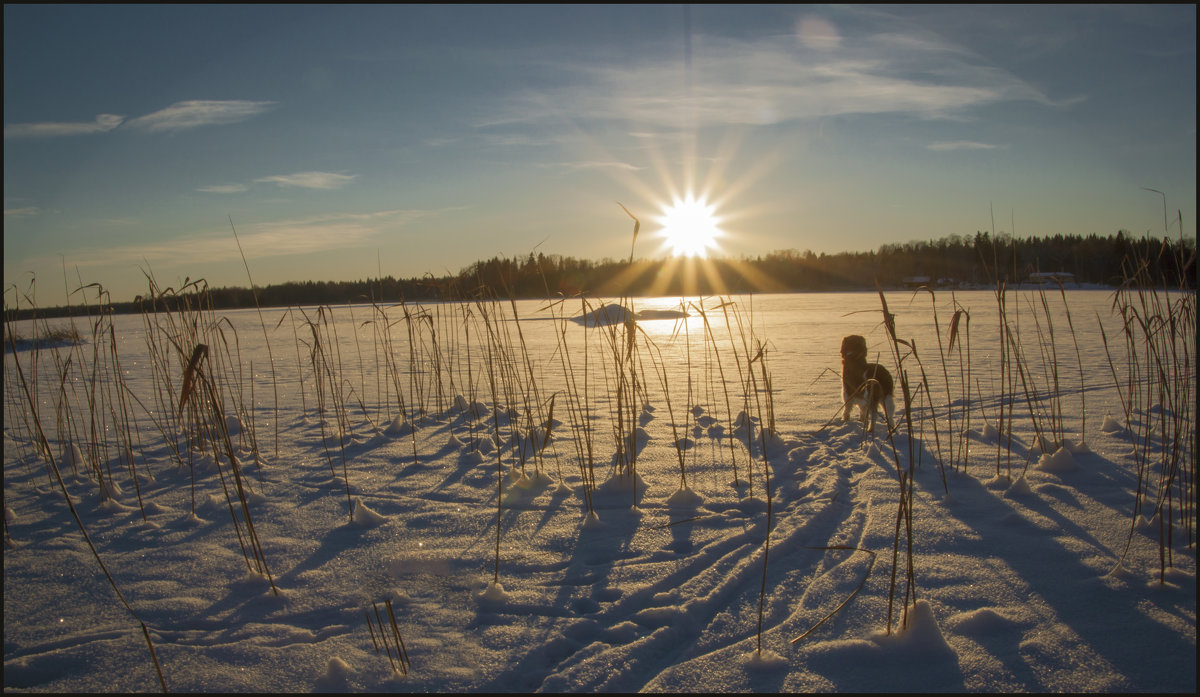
{"x": 199, "y": 112}
{"x": 262, "y": 240}
{"x": 223, "y": 189}
{"x": 961, "y": 145}
{"x": 309, "y": 180}
{"x": 781, "y": 78}
{"x": 180, "y": 116}
{"x": 592, "y": 165}
{"x": 50, "y": 129}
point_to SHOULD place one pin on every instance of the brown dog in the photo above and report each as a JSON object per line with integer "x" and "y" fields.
{"x": 866, "y": 385}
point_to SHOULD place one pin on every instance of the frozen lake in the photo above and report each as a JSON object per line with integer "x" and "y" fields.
{"x": 539, "y": 505}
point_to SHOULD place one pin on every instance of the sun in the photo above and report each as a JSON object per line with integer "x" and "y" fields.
{"x": 690, "y": 227}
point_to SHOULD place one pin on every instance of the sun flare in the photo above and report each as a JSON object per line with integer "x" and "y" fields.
{"x": 690, "y": 227}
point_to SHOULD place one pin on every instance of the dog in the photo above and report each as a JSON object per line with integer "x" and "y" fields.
{"x": 865, "y": 385}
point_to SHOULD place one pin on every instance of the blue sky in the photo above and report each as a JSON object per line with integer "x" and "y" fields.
{"x": 342, "y": 140}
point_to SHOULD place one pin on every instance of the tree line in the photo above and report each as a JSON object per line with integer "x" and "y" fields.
{"x": 982, "y": 260}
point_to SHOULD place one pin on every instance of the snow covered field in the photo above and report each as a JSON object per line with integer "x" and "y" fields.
{"x": 1009, "y": 564}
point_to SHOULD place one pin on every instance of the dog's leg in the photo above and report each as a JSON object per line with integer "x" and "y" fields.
{"x": 870, "y": 402}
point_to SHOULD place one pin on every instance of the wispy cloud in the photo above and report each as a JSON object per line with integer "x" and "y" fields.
{"x": 24, "y": 212}
{"x": 177, "y": 117}
{"x": 816, "y": 73}
{"x": 310, "y": 180}
{"x": 103, "y": 123}
{"x": 319, "y": 233}
{"x": 295, "y": 236}
{"x": 199, "y": 112}
{"x": 223, "y": 189}
{"x": 961, "y": 145}
{"x": 592, "y": 165}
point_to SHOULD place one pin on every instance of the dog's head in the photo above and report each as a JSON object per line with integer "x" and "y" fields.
{"x": 854, "y": 346}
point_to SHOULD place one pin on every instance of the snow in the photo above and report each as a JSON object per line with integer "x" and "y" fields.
{"x": 615, "y": 313}
{"x": 1030, "y": 571}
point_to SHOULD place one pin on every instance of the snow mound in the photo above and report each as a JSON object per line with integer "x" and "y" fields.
{"x": 72, "y": 456}
{"x": 773, "y": 440}
{"x": 765, "y": 660}
{"x": 109, "y": 489}
{"x": 982, "y": 622}
{"x": 364, "y": 517}
{"x": 398, "y": 427}
{"x": 989, "y": 433}
{"x": 1121, "y": 572}
{"x": 610, "y": 314}
{"x": 1018, "y": 489}
{"x": 685, "y": 498}
{"x": 1060, "y": 461}
{"x": 337, "y": 673}
{"x": 623, "y": 632}
{"x": 1111, "y": 425}
{"x": 921, "y": 634}
{"x": 592, "y": 521}
{"x": 658, "y": 616}
{"x": 484, "y": 445}
{"x": 111, "y": 505}
{"x": 605, "y": 315}
{"x": 493, "y": 594}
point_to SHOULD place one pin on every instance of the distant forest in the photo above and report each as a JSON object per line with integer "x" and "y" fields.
{"x": 955, "y": 262}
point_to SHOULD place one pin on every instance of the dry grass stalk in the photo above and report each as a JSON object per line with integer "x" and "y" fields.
{"x": 389, "y": 637}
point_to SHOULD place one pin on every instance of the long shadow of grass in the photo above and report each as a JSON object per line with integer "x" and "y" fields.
{"x": 596, "y": 554}
{"x": 1104, "y": 619}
